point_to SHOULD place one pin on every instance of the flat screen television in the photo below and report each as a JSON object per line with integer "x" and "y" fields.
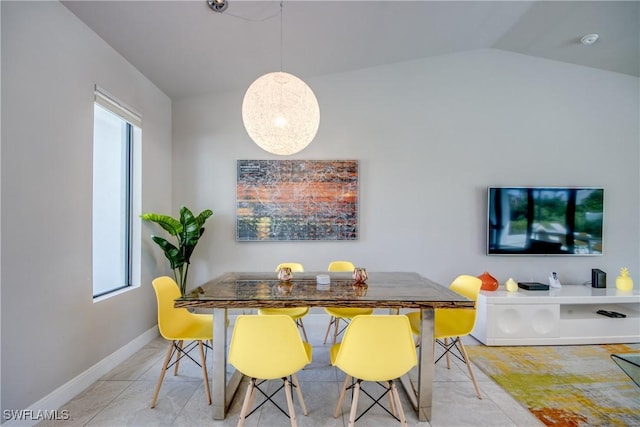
{"x": 545, "y": 221}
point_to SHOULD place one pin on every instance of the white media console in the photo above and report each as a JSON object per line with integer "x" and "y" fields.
{"x": 567, "y": 315}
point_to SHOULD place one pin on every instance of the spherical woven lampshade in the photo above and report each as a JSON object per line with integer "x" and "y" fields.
{"x": 280, "y": 113}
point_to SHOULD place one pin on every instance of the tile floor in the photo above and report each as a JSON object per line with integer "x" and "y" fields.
{"x": 122, "y": 397}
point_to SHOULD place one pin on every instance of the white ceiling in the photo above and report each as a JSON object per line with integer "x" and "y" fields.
{"x": 186, "y": 49}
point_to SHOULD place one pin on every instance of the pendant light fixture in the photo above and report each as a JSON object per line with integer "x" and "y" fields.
{"x": 280, "y": 111}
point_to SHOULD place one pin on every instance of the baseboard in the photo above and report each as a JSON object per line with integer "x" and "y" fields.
{"x": 54, "y": 400}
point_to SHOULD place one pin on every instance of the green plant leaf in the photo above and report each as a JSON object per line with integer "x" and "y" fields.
{"x": 203, "y": 216}
{"x": 168, "y": 223}
{"x": 173, "y": 254}
{"x": 192, "y": 228}
{"x": 190, "y": 233}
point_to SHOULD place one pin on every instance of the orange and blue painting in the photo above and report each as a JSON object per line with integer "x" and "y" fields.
{"x": 284, "y": 200}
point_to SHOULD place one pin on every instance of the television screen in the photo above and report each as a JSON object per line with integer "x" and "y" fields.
{"x": 545, "y": 221}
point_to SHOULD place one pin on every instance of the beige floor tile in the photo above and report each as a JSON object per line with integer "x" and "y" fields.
{"x": 122, "y": 397}
{"x": 90, "y": 402}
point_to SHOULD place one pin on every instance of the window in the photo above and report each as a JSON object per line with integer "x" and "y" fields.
{"x": 117, "y": 138}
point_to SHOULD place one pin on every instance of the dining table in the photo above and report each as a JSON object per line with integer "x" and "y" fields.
{"x": 382, "y": 290}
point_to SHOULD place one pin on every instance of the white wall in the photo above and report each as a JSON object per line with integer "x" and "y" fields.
{"x": 430, "y": 136}
{"x": 51, "y": 329}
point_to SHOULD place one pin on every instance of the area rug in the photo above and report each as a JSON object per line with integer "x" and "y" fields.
{"x": 574, "y": 385}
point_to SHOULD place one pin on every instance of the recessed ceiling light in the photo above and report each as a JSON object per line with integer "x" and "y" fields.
{"x": 589, "y": 39}
{"x": 218, "y": 5}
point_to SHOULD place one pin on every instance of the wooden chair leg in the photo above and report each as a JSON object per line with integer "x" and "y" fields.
{"x": 354, "y": 405}
{"x": 292, "y": 410}
{"x": 204, "y": 371}
{"x": 391, "y": 399}
{"x": 396, "y": 397}
{"x": 463, "y": 351}
{"x": 246, "y": 405}
{"x": 341, "y": 398}
{"x": 167, "y": 358}
{"x": 252, "y": 396}
{"x": 178, "y": 354}
{"x": 336, "y": 329}
{"x": 446, "y": 355}
{"x": 296, "y": 384}
{"x": 332, "y": 319}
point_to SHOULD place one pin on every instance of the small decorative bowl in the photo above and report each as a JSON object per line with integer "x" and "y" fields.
{"x": 360, "y": 275}
{"x": 285, "y": 274}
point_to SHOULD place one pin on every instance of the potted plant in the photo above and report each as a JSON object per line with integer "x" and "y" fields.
{"x": 187, "y": 230}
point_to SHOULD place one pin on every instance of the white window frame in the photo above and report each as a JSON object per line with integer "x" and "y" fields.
{"x": 132, "y": 258}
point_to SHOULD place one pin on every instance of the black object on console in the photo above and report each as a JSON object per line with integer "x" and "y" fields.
{"x": 598, "y": 278}
{"x": 533, "y": 286}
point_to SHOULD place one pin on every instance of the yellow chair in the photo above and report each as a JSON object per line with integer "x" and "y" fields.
{"x": 178, "y": 325}
{"x": 296, "y": 313}
{"x": 341, "y": 314}
{"x": 454, "y": 323}
{"x": 266, "y": 348}
{"x": 377, "y": 348}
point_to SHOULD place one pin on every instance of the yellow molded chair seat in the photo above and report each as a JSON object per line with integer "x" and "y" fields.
{"x": 451, "y": 324}
{"x": 342, "y": 314}
{"x": 296, "y": 313}
{"x": 266, "y": 348}
{"x": 377, "y": 348}
{"x": 178, "y": 325}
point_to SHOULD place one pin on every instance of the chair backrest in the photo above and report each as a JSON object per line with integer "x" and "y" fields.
{"x": 466, "y": 285}
{"x": 458, "y": 321}
{"x": 341, "y": 266}
{"x": 294, "y": 266}
{"x": 171, "y": 320}
{"x": 377, "y": 348}
{"x": 267, "y": 347}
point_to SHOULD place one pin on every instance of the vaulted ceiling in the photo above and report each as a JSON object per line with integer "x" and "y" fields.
{"x": 186, "y": 48}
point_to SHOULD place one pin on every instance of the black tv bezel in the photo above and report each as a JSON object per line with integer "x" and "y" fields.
{"x": 535, "y": 254}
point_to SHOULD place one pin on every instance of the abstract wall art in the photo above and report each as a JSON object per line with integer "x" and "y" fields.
{"x": 284, "y": 200}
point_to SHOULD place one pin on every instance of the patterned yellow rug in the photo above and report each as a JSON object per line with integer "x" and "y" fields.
{"x": 576, "y": 385}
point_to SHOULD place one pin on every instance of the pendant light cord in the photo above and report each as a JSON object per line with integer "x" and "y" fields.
{"x": 281, "y": 26}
